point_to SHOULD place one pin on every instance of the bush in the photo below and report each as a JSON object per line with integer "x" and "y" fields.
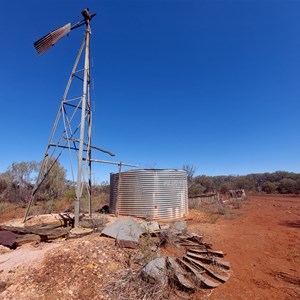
{"x": 269, "y": 187}
{"x": 54, "y": 184}
{"x": 288, "y": 186}
{"x": 70, "y": 194}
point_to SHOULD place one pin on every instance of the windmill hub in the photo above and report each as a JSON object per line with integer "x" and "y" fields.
{"x": 86, "y": 14}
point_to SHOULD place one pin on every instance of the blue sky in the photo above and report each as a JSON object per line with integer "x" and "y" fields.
{"x": 214, "y": 84}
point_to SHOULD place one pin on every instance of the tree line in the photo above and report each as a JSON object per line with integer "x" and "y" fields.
{"x": 281, "y": 182}
{"x": 17, "y": 183}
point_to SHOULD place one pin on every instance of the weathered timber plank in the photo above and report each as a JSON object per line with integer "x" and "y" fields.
{"x": 46, "y": 232}
{"x": 27, "y": 238}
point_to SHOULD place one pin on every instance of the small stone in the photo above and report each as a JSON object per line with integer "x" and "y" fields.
{"x": 4, "y": 249}
{"x": 155, "y": 269}
{"x": 179, "y": 227}
{"x": 3, "y": 286}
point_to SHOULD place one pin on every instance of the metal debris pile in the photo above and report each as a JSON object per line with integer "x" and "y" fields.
{"x": 198, "y": 267}
{"x": 45, "y": 228}
{"x": 177, "y": 259}
{"x": 38, "y": 229}
{"x": 194, "y": 266}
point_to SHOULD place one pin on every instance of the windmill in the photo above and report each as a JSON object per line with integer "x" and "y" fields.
{"x": 74, "y": 118}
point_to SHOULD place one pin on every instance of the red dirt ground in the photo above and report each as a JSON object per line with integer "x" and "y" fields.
{"x": 261, "y": 240}
{"x": 262, "y": 244}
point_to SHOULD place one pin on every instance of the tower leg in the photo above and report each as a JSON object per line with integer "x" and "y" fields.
{"x": 86, "y": 82}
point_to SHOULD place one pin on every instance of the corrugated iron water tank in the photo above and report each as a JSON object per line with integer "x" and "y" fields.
{"x": 150, "y": 193}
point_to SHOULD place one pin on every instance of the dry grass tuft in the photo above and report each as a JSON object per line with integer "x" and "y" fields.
{"x": 129, "y": 284}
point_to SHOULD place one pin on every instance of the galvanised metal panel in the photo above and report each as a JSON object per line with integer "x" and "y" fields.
{"x": 150, "y": 193}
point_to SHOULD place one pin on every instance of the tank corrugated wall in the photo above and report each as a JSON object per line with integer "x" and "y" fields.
{"x": 150, "y": 193}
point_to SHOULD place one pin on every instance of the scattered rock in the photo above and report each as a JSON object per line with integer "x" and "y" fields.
{"x": 4, "y": 249}
{"x": 150, "y": 227}
{"x": 179, "y": 227}
{"x": 79, "y": 232}
{"x": 127, "y": 232}
{"x": 3, "y": 286}
{"x": 155, "y": 270}
{"x": 164, "y": 227}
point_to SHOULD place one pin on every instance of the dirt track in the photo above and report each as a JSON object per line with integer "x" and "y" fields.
{"x": 261, "y": 240}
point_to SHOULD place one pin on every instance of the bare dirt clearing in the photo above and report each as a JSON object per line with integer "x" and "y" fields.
{"x": 263, "y": 245}
{"x": 261, "y": 240}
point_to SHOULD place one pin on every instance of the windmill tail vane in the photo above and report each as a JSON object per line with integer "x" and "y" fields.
{"x": 46, "y": 42}
{"x": 49, "y": 40}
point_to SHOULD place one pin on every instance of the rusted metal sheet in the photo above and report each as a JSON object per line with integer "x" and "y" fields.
{"x": 208, "y": 269}
{"x": 181, "y": 275}
{"x": 7, "y": 238}
{"x": 208, "y": 252}
{"x": 201, "y": 266}
{"x": 46, "y": 42}
{"x": 199, "y": 278}
{"x": 211, "y": 260}
{"x": 45, "y": 231}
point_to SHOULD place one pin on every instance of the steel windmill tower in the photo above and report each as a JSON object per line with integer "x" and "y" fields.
{"x": 75, "y": 115}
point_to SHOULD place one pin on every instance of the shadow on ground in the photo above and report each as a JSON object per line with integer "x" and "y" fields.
{"x": 293, "y": 224}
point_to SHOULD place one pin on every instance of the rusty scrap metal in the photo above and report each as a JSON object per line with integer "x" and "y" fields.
{"x": 207, "y": 252}
{"x": 200, "y": 266}
{"x": 47, "y": 41}
{"x": 210, "y": 260}
{"x": 198, "y": 278}
{"x": 8, "y": 238}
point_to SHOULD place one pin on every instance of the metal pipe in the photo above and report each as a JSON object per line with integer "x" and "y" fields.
{"x": 97, "y": 148}
{"x": 112, "y": 162}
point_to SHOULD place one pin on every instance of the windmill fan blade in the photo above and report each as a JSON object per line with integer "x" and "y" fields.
{"x": 46, "y": 42}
